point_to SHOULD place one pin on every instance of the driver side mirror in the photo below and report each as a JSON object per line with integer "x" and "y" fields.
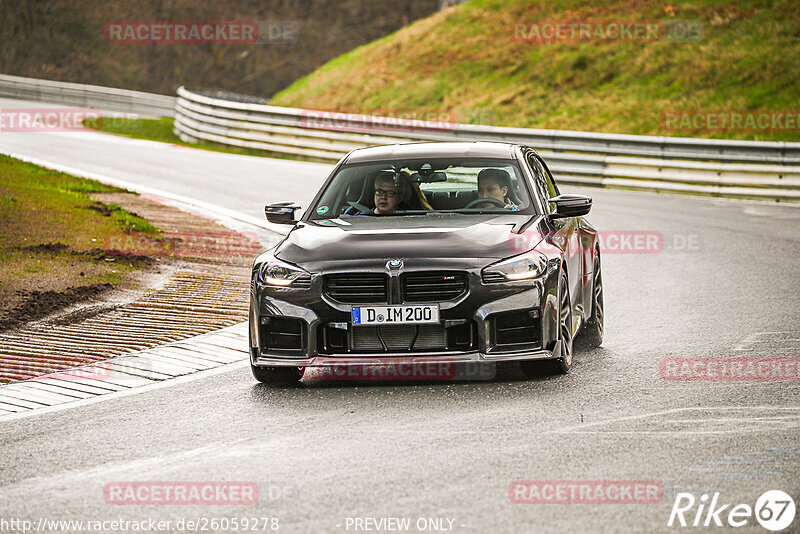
{"x": 570, "y": 206}
{"x": 281, "y": 212}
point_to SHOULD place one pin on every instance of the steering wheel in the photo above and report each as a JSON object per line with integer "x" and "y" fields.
{"x": 477, "y": 201}
{"x": 361, "y": 207}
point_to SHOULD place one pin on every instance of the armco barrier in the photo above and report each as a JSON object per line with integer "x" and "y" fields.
{"x": 86, "y": 96}
{"x": 739, "y": 169}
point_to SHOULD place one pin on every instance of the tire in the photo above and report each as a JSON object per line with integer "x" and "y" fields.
{"x": 563, "y": 363}
{"x": 277, "y": 376}
{"x": 592, "y": 331}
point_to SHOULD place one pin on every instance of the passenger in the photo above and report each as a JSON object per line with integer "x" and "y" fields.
{"x": 413, "y": 197}
{"x": 494, "y": 183}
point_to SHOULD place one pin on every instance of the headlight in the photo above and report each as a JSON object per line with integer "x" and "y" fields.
{"x": 275, "y": 272}
{"x": 522, "y": 267}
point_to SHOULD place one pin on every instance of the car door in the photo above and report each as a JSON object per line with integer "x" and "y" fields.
{"x": 565, "y": 231}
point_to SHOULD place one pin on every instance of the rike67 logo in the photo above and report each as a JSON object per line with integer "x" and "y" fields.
{"x": 774, "y": 510}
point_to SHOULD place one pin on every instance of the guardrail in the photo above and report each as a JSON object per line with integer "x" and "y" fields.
{"x": 742, "y": 169}
{"x": 684, "y": 165}
{"x": 87, "y": 96}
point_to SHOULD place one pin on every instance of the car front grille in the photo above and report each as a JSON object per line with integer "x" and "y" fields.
{"x": 399, "y": 338}
{"x": 357, "y": 288}
{"x": 332, "y": 339}
{"x": 373, "y": 288}
{"x": 433, "y": 286}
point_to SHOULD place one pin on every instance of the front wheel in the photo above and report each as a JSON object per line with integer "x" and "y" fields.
{"x": 277, "y": 376}
{"x": 563, "y": 363}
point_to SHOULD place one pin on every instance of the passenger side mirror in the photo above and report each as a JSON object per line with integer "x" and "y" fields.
{"x": 281, "y": 212}
{"x": 570, "y": 206}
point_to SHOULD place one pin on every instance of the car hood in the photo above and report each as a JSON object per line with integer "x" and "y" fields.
{"x": 446, "y": 236}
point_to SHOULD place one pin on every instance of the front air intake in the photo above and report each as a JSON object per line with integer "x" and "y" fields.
{"x": 516, "y": 330}
{"x": 282, "y": 334}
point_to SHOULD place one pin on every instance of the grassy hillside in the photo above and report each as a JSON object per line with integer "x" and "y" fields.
{"x": 66, "y": 40}
{"x": 465, "y": 61}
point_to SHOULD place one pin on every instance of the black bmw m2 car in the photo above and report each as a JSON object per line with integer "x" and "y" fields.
{"x": 428, "y": 252}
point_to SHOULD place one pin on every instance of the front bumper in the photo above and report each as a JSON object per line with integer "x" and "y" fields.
{"x": 480, "y": 306}
{"x": 400, "y": 358}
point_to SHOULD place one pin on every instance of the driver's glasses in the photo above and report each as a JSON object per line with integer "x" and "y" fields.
{"x": 385, "y": 193}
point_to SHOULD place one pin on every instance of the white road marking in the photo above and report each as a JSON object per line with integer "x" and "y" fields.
{"x": 781, "y": 418}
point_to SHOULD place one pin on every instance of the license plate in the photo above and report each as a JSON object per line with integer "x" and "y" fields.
{"x": 370, "y": 315}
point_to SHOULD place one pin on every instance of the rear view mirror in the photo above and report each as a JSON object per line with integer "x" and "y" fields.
{"x": 427, "y": 179}
{"x": 281, "y": 212}
{"x": 570, "y": 206}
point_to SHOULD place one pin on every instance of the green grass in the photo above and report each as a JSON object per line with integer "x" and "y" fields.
{"x": 52, "y": 233}
{"x": 153, "y": 129}
{"x": 162, "y": 130}
{"x": 130, "y": 222}
{"x": 465, "y": 62}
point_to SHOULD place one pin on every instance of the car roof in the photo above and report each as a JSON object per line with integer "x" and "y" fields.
{"x": 477, "y": 149}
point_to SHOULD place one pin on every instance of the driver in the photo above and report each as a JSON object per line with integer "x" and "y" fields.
{"x": 387, "y": 194}
{"x": 493, "y": 183}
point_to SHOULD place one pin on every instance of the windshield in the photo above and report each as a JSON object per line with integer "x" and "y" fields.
{"x": 420, "y": 187}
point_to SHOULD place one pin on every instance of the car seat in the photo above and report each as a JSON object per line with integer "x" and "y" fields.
{"x": 367, "y": 196}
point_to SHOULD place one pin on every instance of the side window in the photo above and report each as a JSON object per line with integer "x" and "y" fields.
{"x": 552, "y": 188}
{"x": 545, "y": 186}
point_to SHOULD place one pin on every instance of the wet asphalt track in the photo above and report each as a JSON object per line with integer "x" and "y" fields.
{"x": 725, "y": 285}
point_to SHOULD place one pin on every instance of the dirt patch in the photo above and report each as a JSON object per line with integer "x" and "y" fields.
{"x": 38, "y": 304}
{"x": 99, "y": 254}
{"x": 47, "y": 247}
{"x": 100, "y": 208}
{"x": 95, "y": 254}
